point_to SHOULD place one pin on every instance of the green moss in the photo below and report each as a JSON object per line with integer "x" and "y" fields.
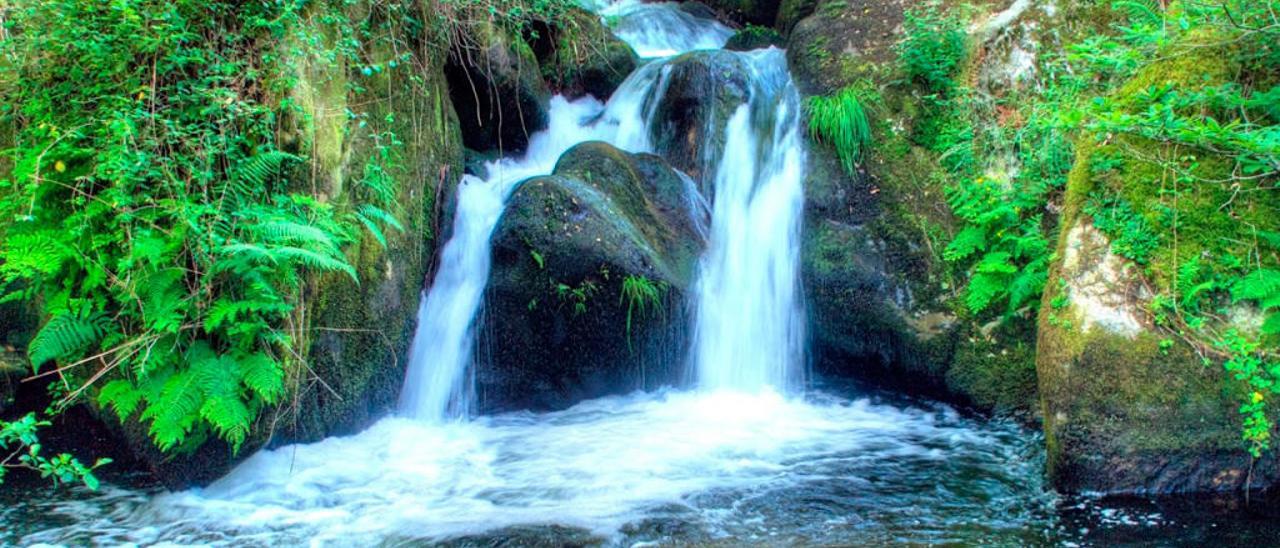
{"x": 996, "y": 372}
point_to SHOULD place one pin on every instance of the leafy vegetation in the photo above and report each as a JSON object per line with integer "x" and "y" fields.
{"x": 1175, "y": 105}
{"x": 839, "y": 121}
{"x": 21, "y": 449}
{"x": 933, "y": 48}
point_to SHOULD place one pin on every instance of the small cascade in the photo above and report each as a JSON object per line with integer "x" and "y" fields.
{"x": 750, "y": 328}
{"x": 436, "y": 387}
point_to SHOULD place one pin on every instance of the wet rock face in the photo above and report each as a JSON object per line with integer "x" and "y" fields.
{"x": 755, "y": 38}
{"x": 557, "y": 327}
{"x": 756, "y": 12}
{"x": 496, "y": 85}
{"x": 704, "y": 88}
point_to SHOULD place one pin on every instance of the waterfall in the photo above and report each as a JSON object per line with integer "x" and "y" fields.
{"x": 750, "y": 328}
{"x": 738, "y": 462}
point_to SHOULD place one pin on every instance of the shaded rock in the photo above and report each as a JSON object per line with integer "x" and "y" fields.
{"x": 580, "y": 56}
{"x": 755, "y": 12}
{"x": 497, "y": 88}
{"x": 557, "y": 328}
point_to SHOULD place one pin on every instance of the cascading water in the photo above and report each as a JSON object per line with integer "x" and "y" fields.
{"x": 741, "y": 462}
{"x": 435, "y": 386}
{"x": 749, "y": 332}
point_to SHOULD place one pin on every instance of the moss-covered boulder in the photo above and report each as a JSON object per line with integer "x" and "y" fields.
{"x": 566, "y": 316}
{"x": 579, "y": 55}
{"x": 834, "y": 42}
{"x": 496, "y": 86}
{"x": 1135, "y": 397}
{"x": 1127, "y": 409}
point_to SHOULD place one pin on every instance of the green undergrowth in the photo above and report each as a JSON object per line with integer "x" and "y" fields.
{"x": 164, "y": 204}
{"x": 1175, "y": 111}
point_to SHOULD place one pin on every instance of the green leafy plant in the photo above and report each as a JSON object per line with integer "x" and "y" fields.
{"x": 156, "y": 218}
{"x": 21, "y": 449}
{"x": 1003, "y": 243}
{"x": 932, "y": 48}
{"x": 840, "y": 121}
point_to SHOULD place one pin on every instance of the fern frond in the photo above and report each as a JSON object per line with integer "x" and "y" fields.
{"x": 253, "y": 175}
{"x": 968, "y": 241}
{"x": 263, "y": 375}
{"x": 315, "y": 260}
{"x": 1261, "y": 285}
{"x": 1140, "y": 11}
{"x": 64, "y": 336}
{"x": 983, "y": 289}
{"x": 121, "y": 396}
{"x": 174, "y": 410}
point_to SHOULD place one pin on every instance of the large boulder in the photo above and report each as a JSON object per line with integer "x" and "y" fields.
{"x": 580, "y": 56}
{"x": 1135, "y": 396}
{"x": 1126, "y": 409}
{"x": 496, "y": 85}
{"x": 562, "y": 322}
{"x": 881, "y": 299}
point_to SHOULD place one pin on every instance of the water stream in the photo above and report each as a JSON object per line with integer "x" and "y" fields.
{"x": 747, "y": 457}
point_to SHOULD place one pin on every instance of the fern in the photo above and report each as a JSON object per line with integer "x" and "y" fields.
{"x": 65, "y": 335}
{"x": 262, "y": 376}
{"x": 1261, "y": 287}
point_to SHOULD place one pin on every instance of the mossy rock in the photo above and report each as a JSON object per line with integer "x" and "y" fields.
{"x": 496, "y": 86}
{"x": 1126, "y": 412}
{"x": 840, "y": 41}
{"x": 755, "y": 37}
{"x": 556, "y": 326}
{"x": 1129, "y": 407}
{"x": 579, "y": 55}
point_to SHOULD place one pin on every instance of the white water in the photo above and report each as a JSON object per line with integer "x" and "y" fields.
{"x": 750, "y": 329}
{"x": 663, "y": 29}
